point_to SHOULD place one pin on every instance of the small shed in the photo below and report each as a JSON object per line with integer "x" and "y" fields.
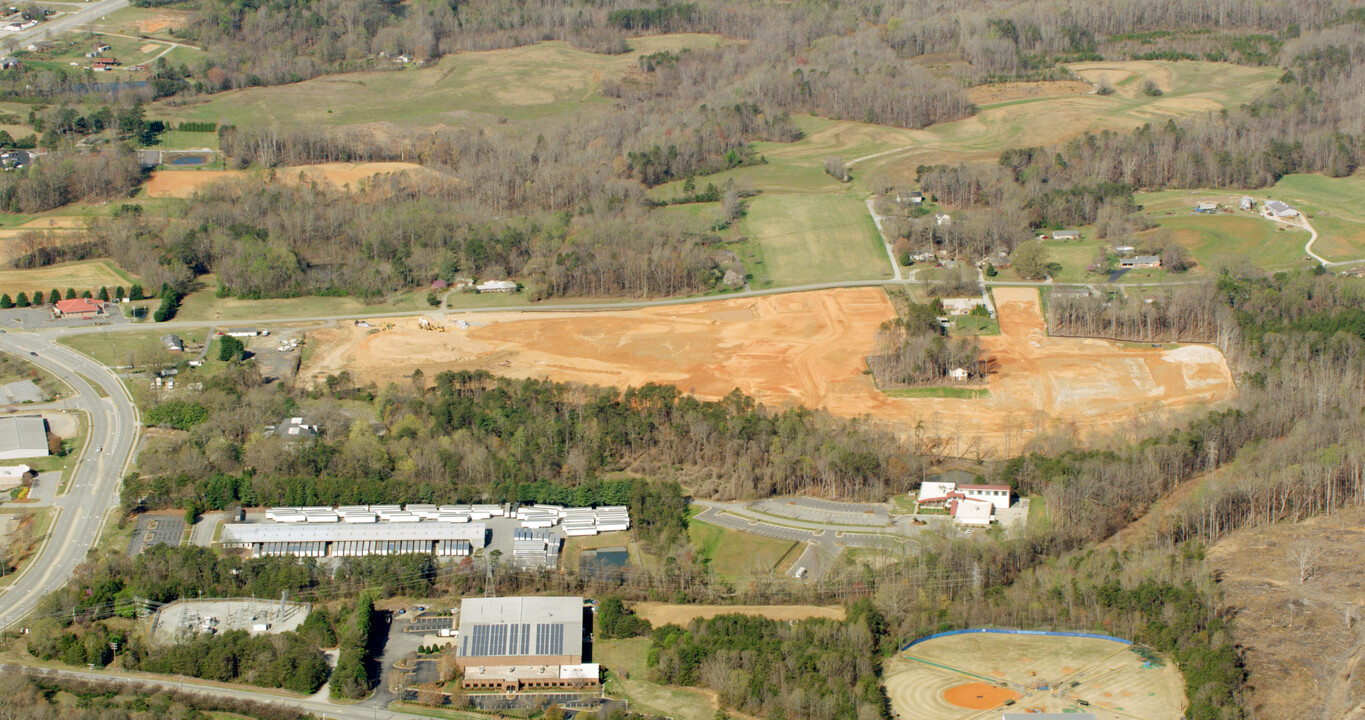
{"x": 958, "y": 374}
{"x": 1206, "y": 207}
{"x": 1247, "y": 203}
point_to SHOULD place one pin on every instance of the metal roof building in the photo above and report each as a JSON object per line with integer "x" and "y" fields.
{"x": 520, "y": 631}
{"x": 350, "y": 539}
{"x": 23, "y": 437}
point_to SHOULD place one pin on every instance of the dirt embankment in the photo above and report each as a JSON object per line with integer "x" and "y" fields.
{"x": 663, "y": 613}
{"x": 184, "y": 183}
{"x": 1303, "y": 642}
{"x": 807, "y": 349}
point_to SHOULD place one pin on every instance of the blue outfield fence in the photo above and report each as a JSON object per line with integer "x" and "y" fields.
{"x": 1003, "y": 631}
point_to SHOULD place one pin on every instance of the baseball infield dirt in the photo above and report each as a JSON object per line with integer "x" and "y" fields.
{"x": 807, "y": 349}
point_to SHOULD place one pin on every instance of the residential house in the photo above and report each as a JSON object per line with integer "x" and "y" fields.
{"x": 909, "y": 197}
{"x": 958, "y": 375}
{"x": 499, "y": 286}
{"x": 1206, "y": 208}
{"x": 1067, "y": 235}
{"x": 1140, "y": 261}
{"x": 103, "y": 64}
{"x": 961, "y": 306}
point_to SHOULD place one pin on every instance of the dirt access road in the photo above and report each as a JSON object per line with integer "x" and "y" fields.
{"x": 803, "y": 348}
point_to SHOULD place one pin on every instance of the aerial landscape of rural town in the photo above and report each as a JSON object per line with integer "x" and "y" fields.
{"x": 695, "y": 360}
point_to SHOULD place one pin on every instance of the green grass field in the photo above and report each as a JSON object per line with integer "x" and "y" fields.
{"x": 626, "y": 661}
{"x": 811, "y": 238}
{"x": 1336, "y": 211}
{"x": 127, "y": 50}
{"x": 975, "y": 325}
{"x": 1219, "y": 239}
{"x": 117, "y": 349}
{"x": 732, "y": 553}
{"x": 517, "y": 83}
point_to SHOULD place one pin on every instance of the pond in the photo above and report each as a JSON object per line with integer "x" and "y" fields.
{"x": 603, "y": 559}
{"x": 190, "y": 160}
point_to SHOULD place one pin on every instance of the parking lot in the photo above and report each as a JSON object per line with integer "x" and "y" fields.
{"x": 276, "y": 354}
{"x": 826, "y": 511}
{"x": 41, "y": 318}
{"x": 155, "y": 530}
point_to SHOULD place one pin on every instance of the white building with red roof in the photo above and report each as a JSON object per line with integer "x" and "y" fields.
{"x": 967, "y": 504}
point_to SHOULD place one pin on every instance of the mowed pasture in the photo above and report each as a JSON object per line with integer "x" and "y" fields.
{"x": 958, "y": 676}
{"x": 1337, "y": 210}
{"x": 83, "y": 275}
{"x": 1189, "y": 88}
{"x": 812, "y": 238}
{"x": 522, "y": 83}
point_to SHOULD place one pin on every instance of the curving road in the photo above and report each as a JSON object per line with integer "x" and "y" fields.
{"x": 63, "y": 23}
{"x": 316, "y": 705}
{"x": 93, "y": 489}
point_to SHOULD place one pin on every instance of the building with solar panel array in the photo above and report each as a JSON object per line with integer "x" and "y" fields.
{"x": 520, "y": 643}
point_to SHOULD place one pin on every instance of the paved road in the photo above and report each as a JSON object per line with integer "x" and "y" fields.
{"x": 66, "y": 22}
{"x": 437, "y": 312}
{"x": 93, "y": 490}
{"x": 320, "y": 707}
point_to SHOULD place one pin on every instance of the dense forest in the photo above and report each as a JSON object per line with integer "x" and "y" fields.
{"x": 753, "y": 663}
{"x": 472, "y": 436}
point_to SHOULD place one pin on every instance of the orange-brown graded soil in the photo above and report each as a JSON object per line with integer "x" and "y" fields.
{"x": 803, "y": 348}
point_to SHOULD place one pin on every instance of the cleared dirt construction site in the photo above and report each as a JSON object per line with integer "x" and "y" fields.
{"x": 961, "y": 676}
{"x": 801, "y": 348}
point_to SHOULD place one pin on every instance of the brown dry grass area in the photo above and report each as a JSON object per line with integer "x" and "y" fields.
{"x": 165, "y": 20}
{"x": 806, "y": 349}
{"x": 1005, "y": 92}
{"x": 664, "y": 613}
{"x": 184, "y": 183}
{"x": 1305, "y": 664}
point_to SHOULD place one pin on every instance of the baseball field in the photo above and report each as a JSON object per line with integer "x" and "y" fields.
{"x": 976, "y": 675}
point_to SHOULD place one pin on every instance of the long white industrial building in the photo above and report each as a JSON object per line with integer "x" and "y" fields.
{"x": 347, "y": 539}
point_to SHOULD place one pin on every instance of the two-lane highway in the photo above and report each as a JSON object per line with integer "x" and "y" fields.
{"x": 94, "y": 485}
{"x": 63, "y": 23}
